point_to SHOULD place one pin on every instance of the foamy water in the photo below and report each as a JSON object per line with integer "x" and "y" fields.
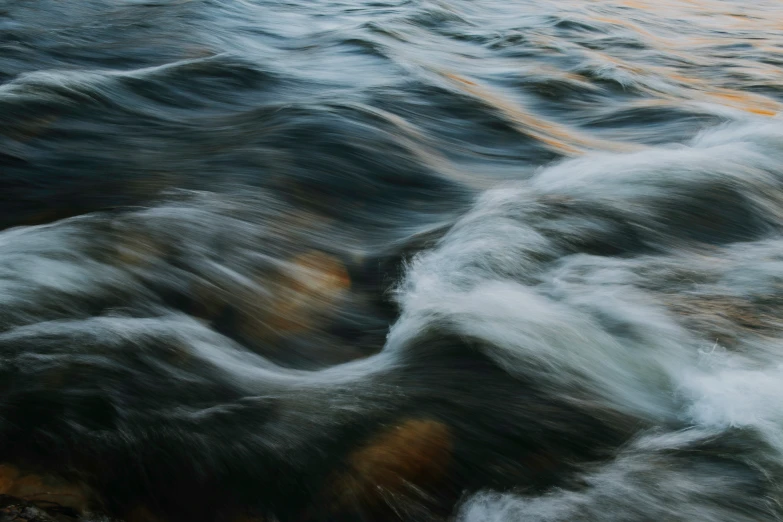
{"x": 477, "y": 261}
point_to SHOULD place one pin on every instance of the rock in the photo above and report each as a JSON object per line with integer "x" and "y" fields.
{"x": 19, "y": 510}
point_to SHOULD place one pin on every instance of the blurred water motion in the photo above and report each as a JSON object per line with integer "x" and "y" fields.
{"x": 415, "y": 260}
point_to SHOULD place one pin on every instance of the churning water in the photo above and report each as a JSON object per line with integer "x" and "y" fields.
{"x": 416, "y": 260}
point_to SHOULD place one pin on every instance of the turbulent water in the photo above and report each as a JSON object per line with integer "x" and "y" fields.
{"x": 416, "y": 260}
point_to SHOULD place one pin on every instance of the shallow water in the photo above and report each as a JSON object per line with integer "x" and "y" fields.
{"x": 469, "y": 260}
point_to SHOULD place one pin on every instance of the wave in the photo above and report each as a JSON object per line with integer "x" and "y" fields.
{"x": 403, "y": 260}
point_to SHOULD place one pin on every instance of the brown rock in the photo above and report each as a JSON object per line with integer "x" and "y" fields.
{"x": 402, "y": 461}
{"x": 42, "y": 489}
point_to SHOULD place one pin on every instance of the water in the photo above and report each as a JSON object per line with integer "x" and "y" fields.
{"x": 469, "y": 260}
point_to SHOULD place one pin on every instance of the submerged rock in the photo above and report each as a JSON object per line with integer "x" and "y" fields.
{"x": 20, "y": 510}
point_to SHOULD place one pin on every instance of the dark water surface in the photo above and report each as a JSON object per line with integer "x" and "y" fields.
{"x": 470, "y": 260}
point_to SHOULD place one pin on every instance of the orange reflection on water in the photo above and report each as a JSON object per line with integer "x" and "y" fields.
{"x": 557, "y": 137}
{"x": 704, "y": 45}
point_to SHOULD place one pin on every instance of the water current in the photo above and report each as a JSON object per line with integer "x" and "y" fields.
{"x": 405, "y": 260}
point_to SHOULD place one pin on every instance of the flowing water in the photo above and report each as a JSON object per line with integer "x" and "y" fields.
{"x": 417, "y": 260}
